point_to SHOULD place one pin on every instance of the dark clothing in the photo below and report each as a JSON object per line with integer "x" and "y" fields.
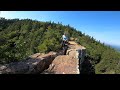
{"x": 64, "y": 46}
{"x": 64, "y": 43}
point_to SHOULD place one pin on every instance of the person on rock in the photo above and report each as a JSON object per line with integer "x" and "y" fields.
{"x": 64, "y": 43}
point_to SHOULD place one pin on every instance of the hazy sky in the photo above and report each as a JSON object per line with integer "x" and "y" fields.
{"x": 102, "y": 25}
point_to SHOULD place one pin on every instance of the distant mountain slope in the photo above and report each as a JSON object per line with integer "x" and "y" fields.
{"x": 116, "y": 47}
{"x": 22, "y": 38}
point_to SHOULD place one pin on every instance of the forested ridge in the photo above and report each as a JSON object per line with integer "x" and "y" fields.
{"x": 22, "y": 38}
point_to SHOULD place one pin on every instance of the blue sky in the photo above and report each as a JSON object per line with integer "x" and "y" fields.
{"x": 102, "y": 25}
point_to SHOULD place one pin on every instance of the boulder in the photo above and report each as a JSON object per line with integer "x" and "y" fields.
{"x": 34, "y": 64}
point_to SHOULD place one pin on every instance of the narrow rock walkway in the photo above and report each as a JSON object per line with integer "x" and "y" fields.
{"x": 67, "y": 64}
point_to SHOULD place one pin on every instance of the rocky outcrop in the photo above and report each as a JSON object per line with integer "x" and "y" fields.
{"x": 70, "y": 63}
{"x": 64, "y": 64}
{"x": 34, "y": 64}
{"x": 51, "y": 63}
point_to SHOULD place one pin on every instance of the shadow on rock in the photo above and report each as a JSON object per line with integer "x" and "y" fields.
{"x": 87, "y": 67}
